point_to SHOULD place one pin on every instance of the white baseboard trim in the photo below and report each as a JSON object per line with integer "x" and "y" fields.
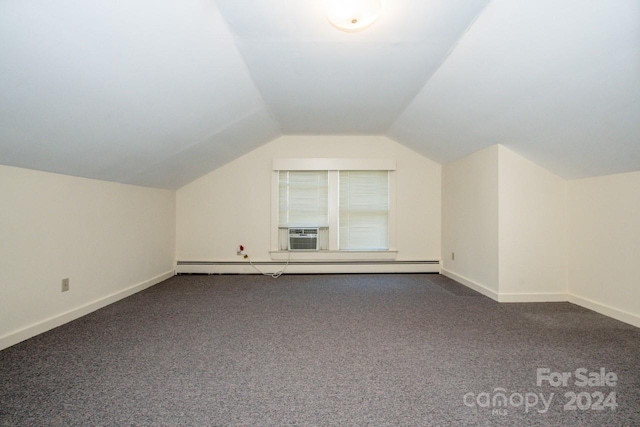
{"x": 533, "y": 297}
{"x": 621, "y": 315}
{"x": 20, "y": 335}
{"x": 308, "y": 267}
{"x": 506, "y": 297}
{"x": 471, "y": 284}
{"x": 614, "y": 313}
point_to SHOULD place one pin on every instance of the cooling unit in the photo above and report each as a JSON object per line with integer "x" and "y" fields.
{"x": 303, "y": 239}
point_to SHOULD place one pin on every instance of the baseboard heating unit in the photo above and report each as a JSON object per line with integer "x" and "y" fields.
{"x": 308, "y": 267}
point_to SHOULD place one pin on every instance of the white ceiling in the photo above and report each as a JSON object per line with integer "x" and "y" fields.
{"x": 557, "y": 81}
{"x": 316, "y": 79}
{"x": 161, "y": 92}
{"x": 149, "y": 92}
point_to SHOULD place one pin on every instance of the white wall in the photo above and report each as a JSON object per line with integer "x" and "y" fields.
{"x": 519, "y": 233}
{"x": 532, "y": 231}
{"x": 470, "y": 220}
{"x": 604, "y": 236}
{"x": 232, "y": 205}
{"x": 505, "y": 219}
{"x": 109, "y": 239}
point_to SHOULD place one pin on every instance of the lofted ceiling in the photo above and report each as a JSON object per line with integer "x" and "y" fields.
{"x": 159, "y": 93}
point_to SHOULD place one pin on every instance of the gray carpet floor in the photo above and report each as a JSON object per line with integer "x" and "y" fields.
{"x": 321, "y": 350}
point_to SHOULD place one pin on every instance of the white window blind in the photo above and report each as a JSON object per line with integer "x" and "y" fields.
{"x": 303, "y": 199}
{"x": 364, "y": 210}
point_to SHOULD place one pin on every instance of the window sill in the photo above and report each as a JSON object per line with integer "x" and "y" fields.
{"x": 333, "y": 255}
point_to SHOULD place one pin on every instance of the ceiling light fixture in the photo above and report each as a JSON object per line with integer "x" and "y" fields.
{"x": 353, "y": 15}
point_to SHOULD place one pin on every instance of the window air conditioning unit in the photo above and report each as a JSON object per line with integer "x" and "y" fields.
{"x": 303, "y": 239}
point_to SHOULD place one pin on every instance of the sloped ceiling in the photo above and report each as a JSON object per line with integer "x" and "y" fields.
{"x": 144, "y": 92}
{"x": 158, "y": 93}
{"x": 556, "y": 81}
{"x": 318, "y": 80}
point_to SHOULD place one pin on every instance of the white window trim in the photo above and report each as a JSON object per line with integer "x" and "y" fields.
{"x": 333, "y": 166}
{"x": 334, "y": 255}
{"x": 323, "y": 164}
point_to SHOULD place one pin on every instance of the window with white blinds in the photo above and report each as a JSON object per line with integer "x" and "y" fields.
{"x": 303, "y": 199}
{"x": 364, "y": 210}
{"x": 351, "y": 203}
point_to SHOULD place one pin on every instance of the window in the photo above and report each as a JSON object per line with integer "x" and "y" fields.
{"x": 364, "y": 210}
{"x": 303, "y": 199}
{"x": 349, "y": 201}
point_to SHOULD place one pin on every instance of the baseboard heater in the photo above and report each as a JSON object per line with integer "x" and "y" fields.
{"x": 308, "y": 267}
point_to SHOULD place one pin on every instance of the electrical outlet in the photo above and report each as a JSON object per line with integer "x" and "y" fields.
{"x": 453, "y": 256}
{"x": 238, "y": 252}
{"x": 65, "y": 284}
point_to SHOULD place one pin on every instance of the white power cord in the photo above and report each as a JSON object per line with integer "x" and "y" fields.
{"x": 273, "y": 275}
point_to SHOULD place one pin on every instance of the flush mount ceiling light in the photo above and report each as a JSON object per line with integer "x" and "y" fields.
{"x": 353, "y": 15}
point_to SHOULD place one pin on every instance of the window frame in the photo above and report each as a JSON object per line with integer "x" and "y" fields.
{"x": 363, "y": 203}
{"x": 333, "y": 166}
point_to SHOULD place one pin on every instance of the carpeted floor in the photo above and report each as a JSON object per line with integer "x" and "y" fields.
{"x": 322, "y": 350}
